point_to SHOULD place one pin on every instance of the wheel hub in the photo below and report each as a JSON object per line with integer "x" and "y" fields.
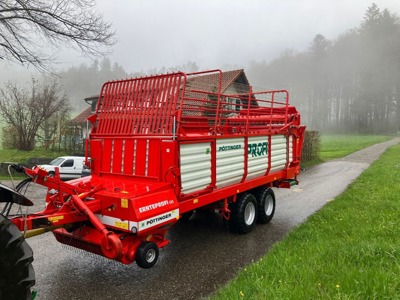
{"x": 150, "y": 255}
{"x": 269, "y": 205}
{"x": 249, "y": 213}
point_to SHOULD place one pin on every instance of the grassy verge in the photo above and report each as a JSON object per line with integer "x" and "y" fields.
{"x": 348, "y": 250}
{"x": 339, "y": 145}
{"x": 335, "y": 146}
{"x": 22, "y": 157}
{"x": 13, "y": 155}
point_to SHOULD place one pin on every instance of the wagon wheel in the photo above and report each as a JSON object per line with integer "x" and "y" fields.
{"x": 243, "y": 214}
{"x": 147, "y": 255}
{"x": 266, "y": 204}
{"x": 16, "y": 270}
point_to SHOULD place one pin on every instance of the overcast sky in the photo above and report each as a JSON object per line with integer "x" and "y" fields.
{"x": 213, "y": 33}
{"x": 156, "y": 33}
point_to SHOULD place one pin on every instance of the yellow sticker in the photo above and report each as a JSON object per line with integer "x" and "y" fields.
{"x": 195, "y": 201}
{"x": 149, "y": 237}
{"x": 55, "y": 219}
{"x": 124, "y": 203}
{"x": 121, "y": 225}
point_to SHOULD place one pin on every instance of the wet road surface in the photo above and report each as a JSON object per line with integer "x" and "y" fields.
{"x": 203, "y": 254}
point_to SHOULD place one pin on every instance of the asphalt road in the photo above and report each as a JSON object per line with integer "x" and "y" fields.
{"x": 203, "y": 254}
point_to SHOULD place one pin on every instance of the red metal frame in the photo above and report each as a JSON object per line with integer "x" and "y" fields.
{"x": 135, "y": 191}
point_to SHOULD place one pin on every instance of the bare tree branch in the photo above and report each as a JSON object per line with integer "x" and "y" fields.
{"x": 26, "y": 26}
{"x": 26, "y": 110}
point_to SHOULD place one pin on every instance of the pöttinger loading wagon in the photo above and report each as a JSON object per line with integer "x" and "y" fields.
{"x": 160, "y": 148}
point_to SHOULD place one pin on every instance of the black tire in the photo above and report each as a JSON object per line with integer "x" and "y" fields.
{"x": 147, "y": 255}
{"x": 243, "y": 215}
{"x": 52, "y": 174}
{"x": 266, "y": 204}
{"x": 16, "y": 270}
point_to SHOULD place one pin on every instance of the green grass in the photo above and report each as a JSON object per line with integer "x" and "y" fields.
{"x": 350, "y": 249}
{"x": 22, "y": 157}
{"x": 335, "y": 146}
{"x": 18, "y": 156}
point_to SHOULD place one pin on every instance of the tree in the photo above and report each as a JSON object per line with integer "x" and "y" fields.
{"x": 26, "y": 110}
{"x": 320, "y": 46}
{"x": 27, "y": 26}
{"x": 51, "y": 128}
{"x": 83, "y": 81}
{"x": 350, "y": 84}
{"x": 380, "y": 36}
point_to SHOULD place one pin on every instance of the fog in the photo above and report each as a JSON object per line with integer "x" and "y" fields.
{"x": 156, "y": 33}
{"x": 271, "y": 40}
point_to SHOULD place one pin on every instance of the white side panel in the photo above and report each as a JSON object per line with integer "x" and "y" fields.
{"x": 257, "y": 164}
{"x": 195, "y": 166}
{"x": 278, "y": 153}
{"x": 290, "y": 148}
{"x": 230, "y": 161}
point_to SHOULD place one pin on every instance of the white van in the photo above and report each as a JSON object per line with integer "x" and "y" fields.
{"x": 69, "y": 166}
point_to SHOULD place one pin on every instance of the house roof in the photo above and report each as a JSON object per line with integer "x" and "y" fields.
{"x": 90, "y": 99}
{"x": 82, "y": 117}
{"x": 209, "y": 82}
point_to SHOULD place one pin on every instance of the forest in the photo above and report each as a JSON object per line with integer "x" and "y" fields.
{"x": 349, "y": 84}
